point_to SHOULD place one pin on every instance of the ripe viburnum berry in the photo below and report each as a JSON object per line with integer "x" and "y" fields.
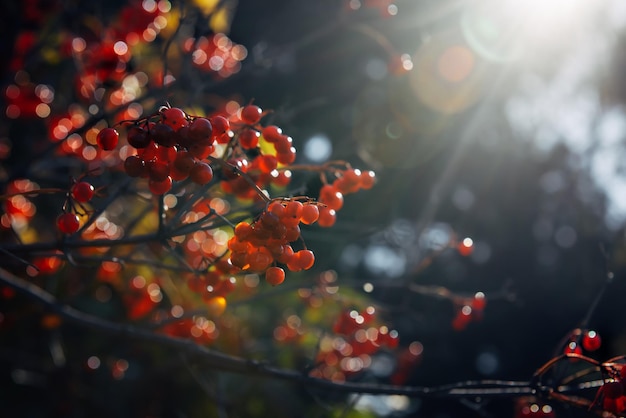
{"x": 201, "y": 173}
{"x": 200, "y": 129}
{"x": 310, "y": 214}
{"x": 174, "y": 117}
{"x": 591, "y": 341}
{"x": 251, "y": 114}
{"x": 275, "y": 275}
{"x": 68, "y": 223}
{"x": 82, "y": 191}
{"x": 107, "y": 139}
{"x": 160, "y": 187}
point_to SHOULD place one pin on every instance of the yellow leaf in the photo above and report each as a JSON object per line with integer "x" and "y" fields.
{"x": 206, "y": 6}
{"x": 221, "y": 18}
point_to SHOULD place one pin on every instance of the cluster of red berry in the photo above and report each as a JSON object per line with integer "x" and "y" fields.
{"x": 170, "y": 146}
{"x": 347, "y": 181}
{"x": 358, "y": 338}
{"x": 257, "y": 246}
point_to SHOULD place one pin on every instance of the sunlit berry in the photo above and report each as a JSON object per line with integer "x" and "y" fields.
{"x": 275, "y": 275}
{"x": 249, "y": 139}
{"x": 251, "y": 114}
{"x": 220, "y": 125}
{"x": 310, "y": 214}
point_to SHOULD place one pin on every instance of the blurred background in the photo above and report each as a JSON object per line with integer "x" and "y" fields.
{"x": 501, "y": 121}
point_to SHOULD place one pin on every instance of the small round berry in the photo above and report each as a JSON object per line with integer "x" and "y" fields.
{"x": 184, "y": 162}
{"x": 367, "y": 179}
{"x": 201, "y": 173}
{"x": 138, "y": 137}
{"x": 267, "y": 163}
{"x": 331, "y": 197}
{"x": 327, "y": 218}
{"x": 310, "y": 214}
{"x": 174, "y": 117}
{"x": 591, "y": 341}
{"x": 251, "y": 114}
{"x": 220, "y": 125}
{"x": 158, "y": 170}
{"x": 160, "y": 187}
{"x": 164, "y": 135}
{"x": 68, "y": 223}
{"x": 107, "y": 139}
{"x": 135, "y": 166}
{"x": 305, "y": 259}
{"x": 82, "y": 191}
{"x": 249, "y": 139}
{"x": 200, "y": 129}
{"x": 272, "y": 133}
{"x": 275, "y": 275}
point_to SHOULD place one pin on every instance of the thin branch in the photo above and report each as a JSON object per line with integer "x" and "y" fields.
{"x": 233, "y": 364}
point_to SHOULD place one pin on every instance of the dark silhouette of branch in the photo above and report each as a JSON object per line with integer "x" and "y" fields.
{"x": 227, "y": 363}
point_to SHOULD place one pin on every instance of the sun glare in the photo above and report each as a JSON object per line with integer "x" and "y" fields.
{"x": 504, "y": 29}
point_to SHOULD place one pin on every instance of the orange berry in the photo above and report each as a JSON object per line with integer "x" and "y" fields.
{"x": 275, "y": 275}
{"x": 310, "y": 214}
{"x": 305, "y": 259}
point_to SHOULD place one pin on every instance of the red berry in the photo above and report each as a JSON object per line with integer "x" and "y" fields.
{"x": 305, "y": 259}
{"x": 310, "y": 214}
{"x": 174, "y": 117}
{"x": 368, "y": 179}
{"x": 251, "y": 114}
{"x": 164, "y": 135}
{"x": 68, "y": 223}
{"x": 275, "y": 275}
{"x": 331, "y": 197}
{"x": 327, "y": 217}
{"x": 135, "y": 166}
{"x": 200, "y": 129}
{"x": 184, "y": 162}
{"x": 160, "y": 187}
{"x": 249, "y": 139}
{"x": 220, "y": 125}
{"x": 267, "y": 163}
{"x": 82, "y": 191}
{"x": 591, "y": 341}
{"x": 201, "y": 173}
{"x": 138, "y": 137}
{"x": 107, "y": 139}
{"x": 158, "y": 170}
{"x": 272, "y": 133}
